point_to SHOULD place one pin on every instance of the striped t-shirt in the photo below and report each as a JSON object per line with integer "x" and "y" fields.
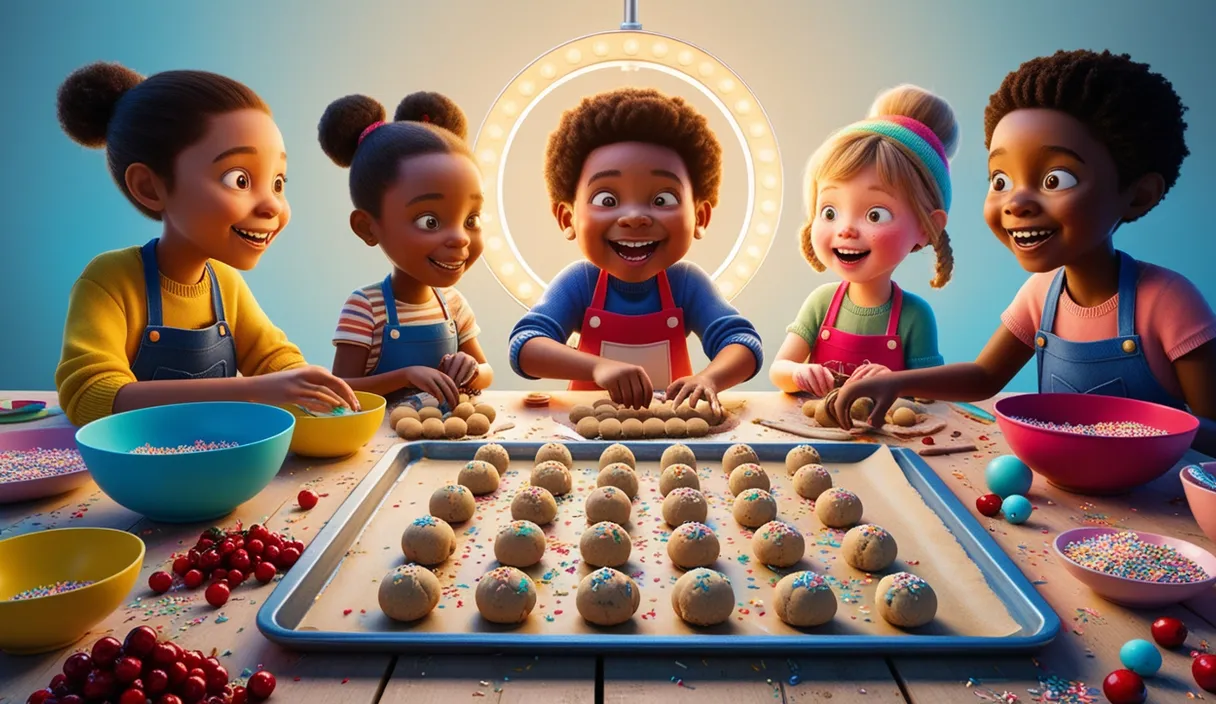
{"x": 363, "y": 317}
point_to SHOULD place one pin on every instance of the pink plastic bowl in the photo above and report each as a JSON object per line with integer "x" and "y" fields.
{"x": 1134, "y": 592}
{"x": 1088, "y": 464}
{"x": 47, "y": 439}
{"x": 1202, "y": 500}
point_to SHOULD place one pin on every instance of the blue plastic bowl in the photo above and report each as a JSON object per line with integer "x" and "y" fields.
{"x": 194, "y": 486}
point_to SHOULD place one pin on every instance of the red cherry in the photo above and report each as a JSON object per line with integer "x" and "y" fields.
{"x": 216, "y": 681}
{"x": 193, "y": 579}
{"x": 219, "y": 573}
{"x": 178, "y": 672}
{"x": 1169, "y": 632}
{"x": 105, "y": 651}
{"x": 128, "y": 669}
{"x": 273, "y": 539}
{"x": 78, "y": 667}
{"x": 199, "y": 673}
{"x": 156, "y": 681}
{"x": 169, "y": 699}
{"x": 239, "y": 695}
{"x": 988, "y": 504}
{"x": 1203, "y": 669}
{"x": 255, "y": 547}
{"x": 264, "y": 572}
{"x": 271, "y": 553}
{"x": 307, "y": 499}
{"x": 160, "y": 582}
{"x": 39, "y": 697}
{"x": 99, "y": 684}
{"x": 299, "y": 546}
{"x": 261, "y": 684}
{"x": 211, "y": 665}
{"x": 192, "y": 659}
{"x": 165, "y": 654}
{"x": 71, "y": 699}
{"x": 235, "y": 577}
{"x": 227, "y": 547}
{"x": 217, "y": 594}
{"x": 132, "y": 696}
{"x": 205, "y": 541}
{"x": 288, "y": 557}
{"x": 193, "y": 689}
{"x": 257, "y": 532}
{"x": 239, "y": 560}
{"x": 209, "y": 560}
{"x": 181, "y": 566}
{"x": 1124, "y": 687}
{"x": 60, "y": 686}
{"x": 215, "y": 699}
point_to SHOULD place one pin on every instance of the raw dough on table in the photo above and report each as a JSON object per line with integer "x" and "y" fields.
{"x": 552, "y": 475}
{"x": 838, "y": 508}
{"x": 453, "y": 503}
{"x": 607, "y": 597}
{"x": 748, "y": 476}
{"x": 607, "y": 503}
{"x": 621, "y": 476}
{"x": 684, "y": 505}
{"x": 495, "y": 454}
{"x": 905, "y": 600}
{"x": 519, "y": 544}
{"x": 778, "y": 544}
{"x": 505, "y": 595}
{"x": 555, "y": 451}
{"x": 736, "y": 455}
{"x": 678, "y": 475}
{"x": 428, "y": 540}
{"x": 480, "y": 477}
{"x": 409, "y": 592}
{"x": 534, "y": 503}
{"x": 617, "y": 453}
{"x": 753, "y": 508}
{"x": 800, "y": 456}
{"x": 693, "y": 545}
{"x": 678, "y": 453}
{"x": 605, "y": 544}
{"x": 812, "y": 480}
{"x": 804, "y": 599}
{"x": 869, "y": 548}
{"x": 703, "y": 597}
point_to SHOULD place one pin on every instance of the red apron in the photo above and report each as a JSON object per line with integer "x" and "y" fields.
{"x": 654, "y": 341}
{"x": 843, "y": 352}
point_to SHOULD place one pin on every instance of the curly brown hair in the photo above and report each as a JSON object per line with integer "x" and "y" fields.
{"x": 1126, "y": 106}
{"x": 633, "y": 115}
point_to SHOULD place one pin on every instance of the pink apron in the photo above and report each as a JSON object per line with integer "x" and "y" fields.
{"x": 843, "y": 352}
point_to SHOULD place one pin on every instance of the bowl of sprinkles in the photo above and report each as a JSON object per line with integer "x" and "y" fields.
{"x": 187, "y": 462}
{"x": 1090, "y": 444}
{"x": 57, "y": 584}
{"x": 38, "y": 463}
{"x": 1199, "y": 484}
{"x": 1136, "y": 569}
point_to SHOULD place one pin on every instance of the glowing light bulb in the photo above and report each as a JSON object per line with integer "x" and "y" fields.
{"x": 685, "y": 58}
{"x": 768, "y": 207}
{"x": 630, "y": 47}
{"x": 769, "y": 181}
{"x": 706, "y": 69}
{"x": 600, "y": 49}
{"x": 574, "y": 56}
{"x": 527, "y": 88}
{"x": 726, "y": 85}
{"x": 548, "y": 71}
{"x": 659, "y": 49}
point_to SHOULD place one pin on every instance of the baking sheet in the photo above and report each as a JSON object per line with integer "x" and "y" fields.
{"x": 329, "y": 600}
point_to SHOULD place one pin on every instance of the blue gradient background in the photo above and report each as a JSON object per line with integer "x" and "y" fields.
{"x": 813, "y": 65}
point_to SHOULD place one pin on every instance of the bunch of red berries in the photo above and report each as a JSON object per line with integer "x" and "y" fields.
{"x": 225, "y": 559}
{"x": 143, "y": 670}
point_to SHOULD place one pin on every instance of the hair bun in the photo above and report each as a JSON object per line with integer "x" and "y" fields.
{"x": 343, "y": 122}
{"x": 87, "y": 99}
{"x": 433, "y": 108}
{"x": 924, "y": 107}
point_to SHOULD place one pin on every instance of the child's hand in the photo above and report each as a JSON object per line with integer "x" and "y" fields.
{"x": 692, "y": 389}
{"x": 461, "y": 367}
{"x": 865, "y": 371}
{"x": 814, "y": 379}
{"x": 626, "y": 384}
{"x": 312, "y": 387}
{"x": 879, "y": 388}
{"x": 435, "y": 383}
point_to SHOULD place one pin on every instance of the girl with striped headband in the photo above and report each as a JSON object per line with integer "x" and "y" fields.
{"x": 876, "y": 191}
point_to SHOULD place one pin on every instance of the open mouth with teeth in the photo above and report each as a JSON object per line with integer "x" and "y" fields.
{"x": 1029, "y": 238}
{"x": 851, "y": 256}
{"x": 634, "y": 252}
{"x": 253, "y": 237}
{"x": 447, "y": 266}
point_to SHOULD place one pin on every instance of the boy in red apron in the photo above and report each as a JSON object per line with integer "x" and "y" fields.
{"x": 1080, "y": 143}
{"x": 633, "y": 176}
{"x": 879, "y": 190}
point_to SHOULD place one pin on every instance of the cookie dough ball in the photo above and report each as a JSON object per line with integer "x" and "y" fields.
{"x": 861, "y": 409}
{"x": 812, "y": 480}
{"x": 402, "y": 412}
{"x": 455, "y": 428}
{"x": 603, "y": 402}
{"x": 869, "y": 548}
{"x": 684, "y": 505}
{"x": 588, "y": 428}
{"x": 678, "y": 453}
{"x": 748, "y": 476}
{"x": 607, "y": 503}
{"x": 905, "y": 600}
{"x": 486, "y": 410}
{"x": 505, "y": 595}
{"x": 453, "y": 503}
{"x": 804, "y": 599}
{"x": 496, "y": 455}
{"x": 603, "y": 413}
{"x": 519, "y": 544}
{"x": 478, "y": 425}
{"x": 903, "y": 417}
{"x": 408, "y": 593}
{"x": 555, "y": 452}
{"x": 409, "y": 428}
{"x": 675, "y": 428}
{"x": 753, "y": 508}
{"x": 624, "y": 414}
{"x": 697, "y": 428}
{"x": 644, "y": 414}
{"x": 605, "y": 544}
{"x": 534, "y": 503}
{"x": 838, "y": 508}
{"x": 428, "y": 540}
{"x": 617, "y": 453}
{"x": 620, "y": 476}
{"x": 580, "y": 412}
{"x": 676, "y": 476}
{"x": 799, "y": 457}
{"x": 632, "y": 429}
{"x": 737, "y": 455}
{"x": 809, "y": 408}
{"x": 779, "y": 544}
{"x": 610, "y": 429}
{"x": 428, "y": 412}
{"x": 481, "y": 477}
{"x": 825, "y": 412}
{"x": 433, "y": 429}
{"x": 693, "y": 545}
{"x": 703, "y": 597}
{"x": 464, "y": 398}
{"x": 551, "y": 475}
{"x": 463, "y": 410}
{"x": 654, "y": 428}
{"x": 685, "y": 412}
{"x": 607, "y": 597}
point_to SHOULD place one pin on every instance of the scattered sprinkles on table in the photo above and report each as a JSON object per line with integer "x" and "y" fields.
{"x": 1110, "y": 429}
{"x": 39, "y": 463}
{"x": 197, "y": 446}
{"x": 1125, "y": 555}
{"x": 1197, "y": 473}
{"x": 49, "y": 590}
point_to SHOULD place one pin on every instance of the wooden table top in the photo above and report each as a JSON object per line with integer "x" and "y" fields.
{"x": 1070, "y": 669}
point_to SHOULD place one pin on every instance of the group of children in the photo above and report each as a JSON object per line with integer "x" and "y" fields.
{"x": 1079, "y": 143}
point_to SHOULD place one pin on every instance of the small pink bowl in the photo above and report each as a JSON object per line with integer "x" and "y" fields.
{"x": 1133, "y": 592}
{"x": 1088, "y": 464}
{"x": 47, "y": 439}
{"x": 1202, "y": 500}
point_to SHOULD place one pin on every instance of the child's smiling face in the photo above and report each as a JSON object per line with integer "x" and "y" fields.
{"x": 1053, "y": 193}
{"x": 634, "y": 213}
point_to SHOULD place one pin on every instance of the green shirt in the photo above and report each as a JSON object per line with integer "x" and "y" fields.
{"x": 917, "y": 325}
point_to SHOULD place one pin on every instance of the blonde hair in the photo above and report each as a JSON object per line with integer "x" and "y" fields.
{"x": 845, "y": 154}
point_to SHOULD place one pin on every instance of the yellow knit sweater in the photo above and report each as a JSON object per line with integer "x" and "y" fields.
{"x": 107, "y": 314}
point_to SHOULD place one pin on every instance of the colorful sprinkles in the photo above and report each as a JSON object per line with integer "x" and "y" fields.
{"x": 1110, "y": 429}
{"x": 1197, "y": 473}
{"x": 197, "y": 446}
{"x": 811, "y": 582}
{"x": 1125, "y": 555}
{"x": 49, "y": 590}
{"x": 38, "y": 463}
{"x": 904, "y": 582}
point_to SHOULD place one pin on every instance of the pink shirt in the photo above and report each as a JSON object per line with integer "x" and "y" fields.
{"x": 1165, "y": 337}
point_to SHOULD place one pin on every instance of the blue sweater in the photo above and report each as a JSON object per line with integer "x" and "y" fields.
{"x": 560, "y": 311}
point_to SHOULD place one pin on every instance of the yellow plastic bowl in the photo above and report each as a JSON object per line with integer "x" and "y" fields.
{"x": 111, "y": 559}
{"x": 340, "y": 435}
